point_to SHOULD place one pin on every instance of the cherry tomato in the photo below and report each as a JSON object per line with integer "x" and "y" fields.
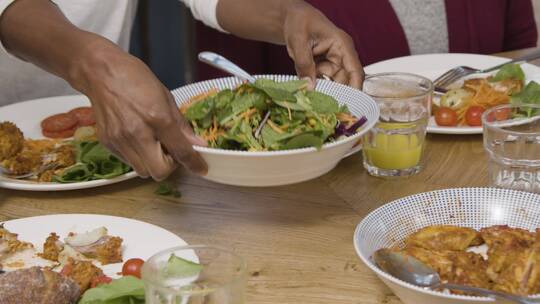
{"x": 132, "y": 267}
{"x": 446, "y": 117}
{"x": 473, "y": 116}
{"x": 102, "y": 279}
{"x": 502, "y": 114}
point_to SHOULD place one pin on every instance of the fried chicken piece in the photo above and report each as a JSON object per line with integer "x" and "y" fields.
{"x": 106, "y": 250}
{"x": 52, "y": 247}
{"x": 505, "y": 245}
{"x": 444, "y": 237}
{"x": 82, "y": 272}
{"x": 458, "y": 267}
{"x": 11, "y": 140}
{"x": 25, "y": 162}
{"x": 522, "y": 275}
{"x": 37, "y": 285}
{"x": 9, "y": 243}
{"x": 64, "y": 156}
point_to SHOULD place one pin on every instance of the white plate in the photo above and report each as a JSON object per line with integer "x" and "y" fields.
{"x": 434, "y": 65}
{"x": 27, "y": 116}
{"x": 141, "y": 240}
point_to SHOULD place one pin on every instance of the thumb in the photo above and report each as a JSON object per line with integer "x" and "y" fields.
{"x": 300, "y": 51}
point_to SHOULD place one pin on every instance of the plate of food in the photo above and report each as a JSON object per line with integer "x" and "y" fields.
{"x": 274, "y": 131}
{"x": 459, "y": 110}
{"x": 53, "y": 142}
{"x": 481, "y": 237}
{"x": 79, "y": 258}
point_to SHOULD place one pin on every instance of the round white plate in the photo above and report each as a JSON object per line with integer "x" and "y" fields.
{"x": 27, "y": 116}
{"x": 140, "y": 239}
{"x": 434, "y": 65}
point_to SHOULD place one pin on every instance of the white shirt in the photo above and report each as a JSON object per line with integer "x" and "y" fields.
{"x": 112, "y": 19}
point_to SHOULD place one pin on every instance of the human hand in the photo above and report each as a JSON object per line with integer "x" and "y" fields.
{"x": 318, "y": 47}
{"x": 137, "y": 118}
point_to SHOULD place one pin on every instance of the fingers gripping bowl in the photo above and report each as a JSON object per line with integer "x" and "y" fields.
{"x": 273, "y": 168}
{"x": 476, "y": 208}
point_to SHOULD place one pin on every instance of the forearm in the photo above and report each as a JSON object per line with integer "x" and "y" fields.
{"x": 38, "y": 32}
{"x": 262, "y": 20}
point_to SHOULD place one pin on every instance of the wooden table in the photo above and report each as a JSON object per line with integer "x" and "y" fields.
{"x": 297, "y": 239}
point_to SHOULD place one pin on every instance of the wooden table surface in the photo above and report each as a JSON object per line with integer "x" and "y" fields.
{"x": 296, "y": 239}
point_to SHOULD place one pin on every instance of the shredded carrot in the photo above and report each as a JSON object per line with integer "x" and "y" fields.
{"x": 274, "y": 127}
{"x": 197, "y": 98}
{"x": 247, "y": 114}
{"x": 484, "y": 95}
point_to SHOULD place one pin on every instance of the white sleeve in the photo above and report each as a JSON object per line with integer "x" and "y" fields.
{"x": 205, "y": 11}
{"x": 3, "y": 5}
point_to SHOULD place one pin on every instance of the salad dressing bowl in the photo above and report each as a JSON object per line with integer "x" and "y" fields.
{"x": 275, "y": 168}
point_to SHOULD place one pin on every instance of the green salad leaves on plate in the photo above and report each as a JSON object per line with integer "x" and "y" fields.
{"x": 94, "y": 161}
{"x": 125, "y": 290}
{"x": 295, "y": 117}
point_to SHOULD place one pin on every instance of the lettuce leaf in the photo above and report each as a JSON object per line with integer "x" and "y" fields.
{"x": 509, "y": 71}
{"x": 94, "y": 161}
{"x": 125, "y": 290}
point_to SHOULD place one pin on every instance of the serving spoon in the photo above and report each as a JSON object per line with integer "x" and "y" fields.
{"x": 228, "y": 66}
{"x": 412, "y": 271}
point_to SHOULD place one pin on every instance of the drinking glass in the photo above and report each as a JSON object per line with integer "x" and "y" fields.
{"x": 512, "y": 142}
{"x": 220, "y": 278}
{"x": 395, "y": 146}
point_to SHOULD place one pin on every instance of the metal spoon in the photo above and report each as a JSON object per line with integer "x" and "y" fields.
{"x": 7, "y": 173}
{"x": 226, "y": 65}
{"x": 411, "y": 270}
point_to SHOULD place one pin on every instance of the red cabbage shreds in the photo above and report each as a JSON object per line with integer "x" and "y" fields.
{"x": 341, "y": 129}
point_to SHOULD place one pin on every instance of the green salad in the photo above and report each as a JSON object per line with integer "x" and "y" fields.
{"x": 269, "y": 116}
{"x": 93, "y": 161}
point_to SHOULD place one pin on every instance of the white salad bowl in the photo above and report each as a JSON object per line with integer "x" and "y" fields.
{"x": 390, "y": 224}
{"x": 273, "y": 168}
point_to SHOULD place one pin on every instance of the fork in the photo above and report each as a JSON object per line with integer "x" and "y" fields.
{"x": 445, "y": 80}
{"x": 7, "y": 173}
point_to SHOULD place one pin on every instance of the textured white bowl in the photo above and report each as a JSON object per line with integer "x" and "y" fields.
{"x": 275, "y": 168}
{"x": 470, "y": 207}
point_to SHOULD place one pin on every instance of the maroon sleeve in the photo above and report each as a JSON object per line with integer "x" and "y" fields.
{"x": 520, "y": 27}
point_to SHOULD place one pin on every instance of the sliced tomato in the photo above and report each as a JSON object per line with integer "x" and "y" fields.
{"x": 59, "y": 122}
{"x": 473, "y": 116}
{"x": 59, "y": 134}
{"x": 446, "y": 117}
{"x": 133, "y": 267}
{"x": 84, "y": 115}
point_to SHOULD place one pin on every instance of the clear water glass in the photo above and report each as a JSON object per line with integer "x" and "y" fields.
{"x": 220, "y": 280}
{"x": 395, "y": 146}
{"x": 512, "y": 142}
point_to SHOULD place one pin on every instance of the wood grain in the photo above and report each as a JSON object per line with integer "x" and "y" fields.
{"x": 296, "y": 239}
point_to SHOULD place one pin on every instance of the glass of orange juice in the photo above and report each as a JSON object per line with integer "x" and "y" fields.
{"x": 395, "y": 146}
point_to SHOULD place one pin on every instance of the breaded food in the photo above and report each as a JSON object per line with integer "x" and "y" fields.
{"x": 37, "y": 285}
{"x": 443, "y": 237}
{"x": 82, "y": 272}
{"x": 522, "y": 275}
{"x": 52, "y": 247}
{"x": 25, "y": 162}
{"x": 11, "y": 140}
{"x": 457, "y": 267}
{"x": 9, "y": 243}
{"x": 107, "y": 250}
{"x": 64, "y": 156}
{"x": 505, "y": 245}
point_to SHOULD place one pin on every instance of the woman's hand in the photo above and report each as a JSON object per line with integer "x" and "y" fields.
{"x": 318, "y": 47}
{"x": 315, "y": 44}
{"x": 137, "y": 118}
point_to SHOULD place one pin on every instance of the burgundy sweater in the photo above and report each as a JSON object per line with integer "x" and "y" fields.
{"x": 474, "y": 26}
